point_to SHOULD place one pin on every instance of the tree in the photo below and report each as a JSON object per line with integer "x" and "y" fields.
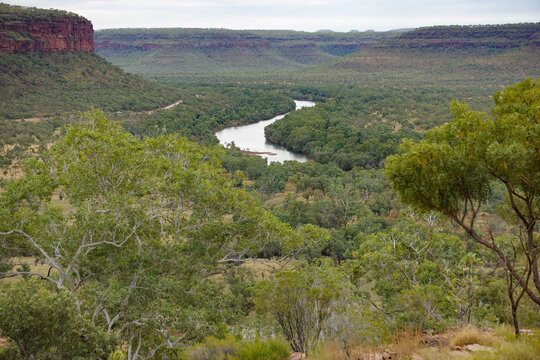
{"x": 418, "y": 276}
{"x": 303, "y": 300}
{"x": 26, "y": 308}
{"x": 452, "y": 171}
{"x": 142, "y": 225}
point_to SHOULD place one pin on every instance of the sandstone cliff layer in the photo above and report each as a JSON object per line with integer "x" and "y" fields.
{"x": 29, "y": 30}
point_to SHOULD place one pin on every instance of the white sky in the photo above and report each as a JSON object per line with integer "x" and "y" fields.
{"x": 307, "y": 15}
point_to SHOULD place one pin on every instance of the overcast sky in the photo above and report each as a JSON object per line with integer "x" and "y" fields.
{"x": 308, "y": 15}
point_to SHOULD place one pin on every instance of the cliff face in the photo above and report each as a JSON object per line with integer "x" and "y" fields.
{"x": 21, "y": 32}
{"x": 480, "y": 36}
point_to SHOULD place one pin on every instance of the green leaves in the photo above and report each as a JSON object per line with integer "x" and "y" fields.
{"x": 302, "y": 300}
{"x": 456, "y": 161}
{"x": 27, "y": 309}
{"x": 453, "y": 169}
{"x": 144, "y": 223}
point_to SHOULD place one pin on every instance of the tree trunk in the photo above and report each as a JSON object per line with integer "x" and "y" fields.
{"x": 515, "y": 320}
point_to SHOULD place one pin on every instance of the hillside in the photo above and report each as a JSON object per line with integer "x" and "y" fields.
{"x": 402, "y": 87}
{"x": 47, "y": 67}
{"x": 179, "y": 54}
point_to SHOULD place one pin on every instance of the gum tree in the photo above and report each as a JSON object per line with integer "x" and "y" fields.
{"x": 453, "y": 169}
{"x": 142, "y": 225}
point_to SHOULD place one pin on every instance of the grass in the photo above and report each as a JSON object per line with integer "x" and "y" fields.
{"x": 263, "y": 268}
{"x": 36, "y": 268}
{"x": 406, "y": 344}
{"x": 503, "y": 345}
{"x": 472, "y": 335}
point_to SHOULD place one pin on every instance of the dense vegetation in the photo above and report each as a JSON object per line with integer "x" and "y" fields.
{"x": 13, "y": 12}
{"x": 132, "y": 235}
{"x": 202, "y": 111}
{"x": 36, "y": 84}
{"x": 206, "y": 109}
{"x": 166, "y": 222}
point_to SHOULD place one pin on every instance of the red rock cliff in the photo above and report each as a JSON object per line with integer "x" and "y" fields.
{"x": 45, "y": 34}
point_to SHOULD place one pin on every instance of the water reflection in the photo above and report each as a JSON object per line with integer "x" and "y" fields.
{"x": 251, "y": 138}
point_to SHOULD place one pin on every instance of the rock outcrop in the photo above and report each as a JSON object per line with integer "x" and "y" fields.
{"x": 32, "y": 30}
{"x": 479, "y": 36}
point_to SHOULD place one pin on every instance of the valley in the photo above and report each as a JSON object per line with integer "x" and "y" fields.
{"x": 201, "y": 194}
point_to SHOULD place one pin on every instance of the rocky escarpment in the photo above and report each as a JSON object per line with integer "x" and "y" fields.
{"x": 177, "y": 54}
{"x": 215, "y": 39}
{"x": 480, "y": 36}
{"x": 31, "y": 30}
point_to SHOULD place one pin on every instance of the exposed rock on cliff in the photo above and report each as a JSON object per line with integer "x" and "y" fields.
{"x": 30, "y": 30}
{"x": 479, "y": 36}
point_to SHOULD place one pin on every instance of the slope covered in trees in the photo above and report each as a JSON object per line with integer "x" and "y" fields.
{"x": 37, "y": 85}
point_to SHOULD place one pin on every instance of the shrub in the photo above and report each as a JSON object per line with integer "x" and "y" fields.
{"x": 10, "y": 352}
{"x": 44, "y": 324}
{"x": 214, "y": 349}
{"x": 471, "y": 335}
{"x": 271, "y": 349}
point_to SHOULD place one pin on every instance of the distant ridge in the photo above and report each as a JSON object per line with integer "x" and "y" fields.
{"x": 173, "y": 53}
{"x": 474, "y": 36}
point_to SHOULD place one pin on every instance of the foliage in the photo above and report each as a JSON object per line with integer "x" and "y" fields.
{"x": 206, "y": 109}
{"x": 203, "y": 110}
{"x": 14, "y": 12}
{"x": 44, "y": 324}
{"x": 35, "y": 84}
{"x": 214, "y": 349}
{"x": 452, "y": 170}
{"x": 347, "y": 130}
{"x": 149, "y": 222}
{"x": 230, "y": 348}
{"x": 303, "y": 301}
{"x": 271, "y": 349}
{"x": 10, "y": 352}
{"x": 417, "y": 275}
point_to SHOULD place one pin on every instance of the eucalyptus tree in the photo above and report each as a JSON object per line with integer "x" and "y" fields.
{"x": 141, "y": 225}
{"x": 453, "y": 169}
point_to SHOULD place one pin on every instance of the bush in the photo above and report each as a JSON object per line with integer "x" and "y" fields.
{"x": 230, "y": 348}
{"x": 10, "y": 352}
{"x": 44, "y": 324}
{"x": 471, "y": 335}
{"x": 271, "y": 349}
{"x": 214, "y": 349}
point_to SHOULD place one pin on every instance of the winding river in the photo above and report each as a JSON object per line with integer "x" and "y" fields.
{"x": 251, "y": 138}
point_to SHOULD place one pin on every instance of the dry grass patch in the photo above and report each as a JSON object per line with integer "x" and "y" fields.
{"x": 3, "y": 342}
{"x": 472, "y": 335}
{"x": 264, "y": 268}
{"x": 407, "y": 343}
{"x": 35, "y": 268}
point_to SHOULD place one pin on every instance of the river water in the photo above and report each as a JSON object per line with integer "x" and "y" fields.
{"x": 251, "y": 138}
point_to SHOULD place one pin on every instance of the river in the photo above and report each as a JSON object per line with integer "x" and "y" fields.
{"x": 251, "y": 138}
